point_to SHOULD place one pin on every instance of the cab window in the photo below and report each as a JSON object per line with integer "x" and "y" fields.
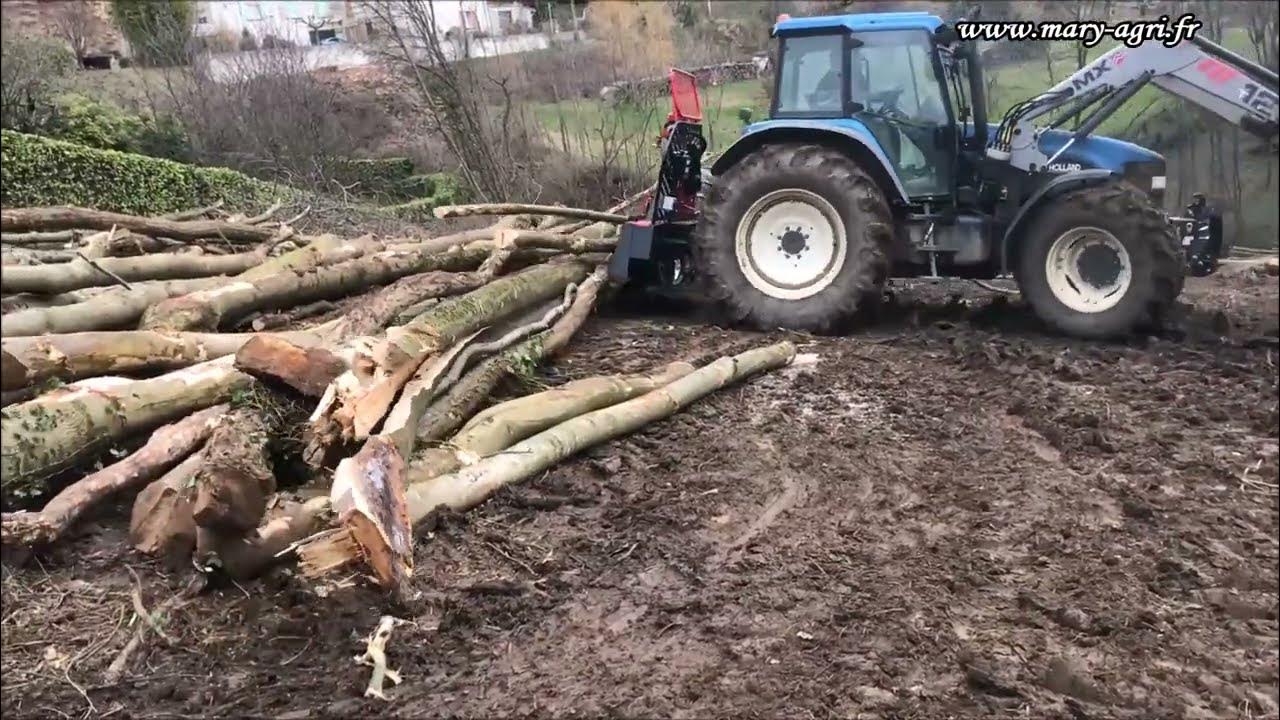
{"x": 811, "y": 76}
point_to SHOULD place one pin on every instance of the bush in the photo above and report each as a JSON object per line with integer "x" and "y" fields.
{"x": 444, "y": 189}
{"x": 29, "y": 67}
{"x": 106, "y": 126}
{"x": 37, "y": 171}
{"x": 374, "y": 176}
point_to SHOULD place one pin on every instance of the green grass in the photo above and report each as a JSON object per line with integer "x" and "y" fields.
{"x": 593, "y": 129}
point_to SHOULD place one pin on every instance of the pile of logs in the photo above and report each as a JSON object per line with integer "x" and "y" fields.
{"x": 296, "y": 398}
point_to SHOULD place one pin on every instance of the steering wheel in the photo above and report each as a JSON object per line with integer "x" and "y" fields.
{"x": 888, "y": 103}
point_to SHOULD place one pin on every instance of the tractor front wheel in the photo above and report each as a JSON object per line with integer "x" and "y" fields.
{"x": 794, "y": 236}
{"x": 1099, "y": 262}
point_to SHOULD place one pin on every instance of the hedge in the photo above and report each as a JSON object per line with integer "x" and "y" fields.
{"x": 38, "y": 171}
{"x": 373, "y": 177}
{"x": 436, "y": 189}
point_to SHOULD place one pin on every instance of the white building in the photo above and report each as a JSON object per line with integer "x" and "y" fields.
{"x": 321, "y": 21}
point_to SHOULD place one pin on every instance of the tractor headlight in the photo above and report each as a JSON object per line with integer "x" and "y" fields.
{"x": 1149, "y": 177}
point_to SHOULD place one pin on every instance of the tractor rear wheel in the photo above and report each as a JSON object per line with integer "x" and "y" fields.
{"x": 1100, "y": 262}
{"x": 794, "y": 236}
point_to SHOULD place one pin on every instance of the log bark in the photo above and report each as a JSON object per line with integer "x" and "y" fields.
{"x": 307, "y": 370}
{"x": 59, "y": 429}
{"x": 109, "y": 310}
{"x": 72, "y": 218}
{"x": 235, "y": 477}
{"x": 163, "y": 450}
{"x": 496, "y": 301}
{"x": 162, "y": 523}
{"x": 450, "y": 211}
{"x": 73, "y": 356}
{"x": 461, "y": 400}
{"x": 247, "y": 556}
{"x": 375, "y": 530}
{"x": 207, "y": 310}
{"x": 292, "y": 315}
{"x": 42, "y": 238}
{"x": 79, "y": 273}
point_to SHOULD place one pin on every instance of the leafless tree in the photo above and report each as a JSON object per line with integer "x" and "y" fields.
{"x": 474, "y": 113}
{"x": 75, "y": 22}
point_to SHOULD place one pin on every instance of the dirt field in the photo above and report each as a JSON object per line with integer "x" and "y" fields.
{"x": 950, "y": 514}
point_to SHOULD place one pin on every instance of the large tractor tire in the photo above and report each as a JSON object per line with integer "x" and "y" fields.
{"x": 794, "y": 236}
{"x": 1100, "y": 262}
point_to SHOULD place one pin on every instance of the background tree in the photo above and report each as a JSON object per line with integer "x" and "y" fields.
{"x": 159, "y": 31}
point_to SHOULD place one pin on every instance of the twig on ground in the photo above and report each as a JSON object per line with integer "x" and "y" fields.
{"x": 375, "y": 655}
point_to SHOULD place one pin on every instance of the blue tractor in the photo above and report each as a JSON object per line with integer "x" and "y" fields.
{"x": 878, "y": 161}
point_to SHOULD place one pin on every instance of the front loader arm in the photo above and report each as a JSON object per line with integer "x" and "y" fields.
{"x": 1232, "y": 87}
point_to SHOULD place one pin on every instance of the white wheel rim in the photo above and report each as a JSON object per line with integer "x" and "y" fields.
{"x": 1088, "y": 270}
{"x": 790, "y": 244}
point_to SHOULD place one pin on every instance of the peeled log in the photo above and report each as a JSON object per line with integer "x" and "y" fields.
{"x": 72, "y": 218}
{"x": 246, "y": 556}
{"x": 165, "y": 448}
{"x": 61, "y": 428}
{"x": 33, "y": 359}
{"x": 109, "y": 310}
{"x": 77, "y": 274}
{"x": 206, "y": 310}
{"x": 449, "y": 211}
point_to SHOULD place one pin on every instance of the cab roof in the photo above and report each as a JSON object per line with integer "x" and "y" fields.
{"x": 861, "y": 22}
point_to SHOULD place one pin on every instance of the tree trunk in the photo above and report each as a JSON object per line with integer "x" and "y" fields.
{"x": 371, "y": 386}
{"x": 161, "y": 523}
{"x": 450, "y": 211}
{"x": 74, "y": 218}
{"x": 499, "y": 300}
{"x": 246, "y": 556}
{"x": 469, "y": 486}
{"x": 460, "y": 400}
{"x": 378, "y": 510}
{"x": 206, "y": 310}
{"x": 235, "y": 478}
{"x": 322, "y": 250}
{"x": 164, "y": 449}
{"x": 110, "y": 310}
{"x": 34, "y": 359}
{"x": 59, "y": 429}
{"x": 505, "y": 424}
{"x": 43, "y": 238}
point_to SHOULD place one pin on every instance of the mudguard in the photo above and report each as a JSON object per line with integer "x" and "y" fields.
{"x": 847, "y": 134}
{"x": 1051, "y": 189}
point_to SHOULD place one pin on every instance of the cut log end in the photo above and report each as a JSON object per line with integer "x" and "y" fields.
{"x": 368, "y": 496}
{"x": 307, "y": 370}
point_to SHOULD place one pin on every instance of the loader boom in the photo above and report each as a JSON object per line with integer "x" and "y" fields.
{"x": 1200, "y": 71}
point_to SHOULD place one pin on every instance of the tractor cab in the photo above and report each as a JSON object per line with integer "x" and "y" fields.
{"x": 879, "y": 75}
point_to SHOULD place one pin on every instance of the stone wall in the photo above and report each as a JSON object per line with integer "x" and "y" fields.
{"x": 707, "y": 76}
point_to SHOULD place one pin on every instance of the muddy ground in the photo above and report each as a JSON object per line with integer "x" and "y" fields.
{"x": 950, "y": 514}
